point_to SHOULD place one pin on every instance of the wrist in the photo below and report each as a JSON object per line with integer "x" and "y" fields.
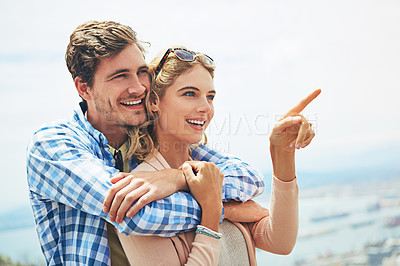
{"x": 283, "y": 163}
{"x": 281, "y": 150}
{"x": 208, "y": 232}
{"x": 211, "y": 216}
{"x": 230, "y": 208}
{"x": 182, "y": 184}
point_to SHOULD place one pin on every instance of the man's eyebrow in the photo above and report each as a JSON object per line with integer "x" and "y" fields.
{"x": 116, "y": 72}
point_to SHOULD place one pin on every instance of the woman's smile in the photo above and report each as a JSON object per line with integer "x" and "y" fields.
{"x": 197, "y": 124}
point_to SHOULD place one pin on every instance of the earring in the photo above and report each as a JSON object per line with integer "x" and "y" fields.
{"x": 204, "y": 140}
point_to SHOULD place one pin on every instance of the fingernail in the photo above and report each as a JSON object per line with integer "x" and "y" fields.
{"x": 291, "y": 145}
{"x": 119, "y": 220}
{"x": 105, "y": 209}
{"x": 129, "y": 214}
{"x": 298, "y": 145}
{"x": 303, "y": 145}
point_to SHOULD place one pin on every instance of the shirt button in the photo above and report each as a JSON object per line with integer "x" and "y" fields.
{"x": 113, "y": 161}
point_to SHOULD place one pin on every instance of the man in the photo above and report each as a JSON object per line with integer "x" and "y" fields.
{"x": 70, "y": 163}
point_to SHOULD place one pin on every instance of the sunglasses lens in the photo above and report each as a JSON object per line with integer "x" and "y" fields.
{"x": 184, "y": 55}
{"x": 209, "y": 59}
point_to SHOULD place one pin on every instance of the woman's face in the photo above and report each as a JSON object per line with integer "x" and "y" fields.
{"x": 186, "y": 108}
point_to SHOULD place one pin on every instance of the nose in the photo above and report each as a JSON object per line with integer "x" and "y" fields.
{"x": 138, "y": 86}
{"x": 204, "y": 105}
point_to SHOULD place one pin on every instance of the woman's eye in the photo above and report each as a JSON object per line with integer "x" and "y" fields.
{"x": 211, "y": 97}
{"x": 189, "y": 93}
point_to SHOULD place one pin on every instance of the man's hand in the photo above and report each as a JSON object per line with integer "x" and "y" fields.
{"x": 142, "y": 188}
{"x": 245, "y": 212}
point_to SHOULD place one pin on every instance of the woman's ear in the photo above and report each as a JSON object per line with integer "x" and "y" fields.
{"x": 82, "y": 88}
{"x": 154, "y": 106}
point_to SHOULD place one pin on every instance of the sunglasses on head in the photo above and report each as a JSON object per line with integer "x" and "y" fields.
{"x": 182, "y": 54}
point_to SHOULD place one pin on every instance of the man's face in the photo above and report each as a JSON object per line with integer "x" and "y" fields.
{"x": 119, "y": 88}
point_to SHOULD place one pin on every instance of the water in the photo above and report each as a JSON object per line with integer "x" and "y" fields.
{"x": 332, "y": 236}
{"x": 336, "y": 235}
{"x": 21, "y": 245}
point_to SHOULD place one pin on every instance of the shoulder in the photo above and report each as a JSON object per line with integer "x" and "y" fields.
{"x": 205, "y": 153}
{"x": 58, "y": 134}
{"x": 73, "y": 126}
{"x": 59, "y": 127}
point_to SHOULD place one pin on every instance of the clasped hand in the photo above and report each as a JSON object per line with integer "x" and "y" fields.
{"x": 132, "y": 191}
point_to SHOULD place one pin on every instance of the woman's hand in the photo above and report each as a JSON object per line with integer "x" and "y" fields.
{"x": 205, "y": 183}
{"x": 293, "y": 130}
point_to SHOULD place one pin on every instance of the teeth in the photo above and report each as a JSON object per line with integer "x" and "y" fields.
{"x": 197, "y": 122}
{"x": 133, "y": 102}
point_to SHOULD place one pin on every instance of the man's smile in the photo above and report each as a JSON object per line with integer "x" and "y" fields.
{"x": 133, "y": 103}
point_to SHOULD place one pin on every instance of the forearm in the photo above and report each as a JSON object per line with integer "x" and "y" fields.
{"x": 68, "y": 182}
{"x": 249, "y": 211}
{"x": 205, "y": 251}
{"x": 277, "y": 232}
{"x": 170, "y": 216}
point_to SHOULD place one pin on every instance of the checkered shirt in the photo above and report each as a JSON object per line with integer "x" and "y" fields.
{"x": 69, "y": 167}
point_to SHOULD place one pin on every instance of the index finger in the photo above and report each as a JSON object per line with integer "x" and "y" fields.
{"x": 303, "y": 103}
{"x": 196, "y": 165}
{"x": 188, "y": 171}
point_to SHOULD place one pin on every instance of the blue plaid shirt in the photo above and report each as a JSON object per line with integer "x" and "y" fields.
{"x": 69, "y": 167}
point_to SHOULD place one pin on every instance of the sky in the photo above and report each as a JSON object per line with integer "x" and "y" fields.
{"x": 269, "y": 55}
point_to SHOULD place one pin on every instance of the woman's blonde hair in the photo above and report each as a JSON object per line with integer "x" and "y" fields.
{"x": 143, "y": 139}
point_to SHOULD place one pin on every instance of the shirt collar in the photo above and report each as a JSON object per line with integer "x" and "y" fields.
{"x": 124, "y": 150}
{"x": 79, "y": 117}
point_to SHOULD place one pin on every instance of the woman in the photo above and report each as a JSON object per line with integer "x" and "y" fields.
{"x": 182, "y": 107}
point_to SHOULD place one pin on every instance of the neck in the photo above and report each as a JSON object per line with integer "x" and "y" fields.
{"x": 115, "y": 135}
{"x": 175, "y": 153}
{"x": 116, "y": 140}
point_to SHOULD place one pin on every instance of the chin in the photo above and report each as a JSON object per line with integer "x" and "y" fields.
{"x": 195, "y": 141}
{"x": 137, "y": 120}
